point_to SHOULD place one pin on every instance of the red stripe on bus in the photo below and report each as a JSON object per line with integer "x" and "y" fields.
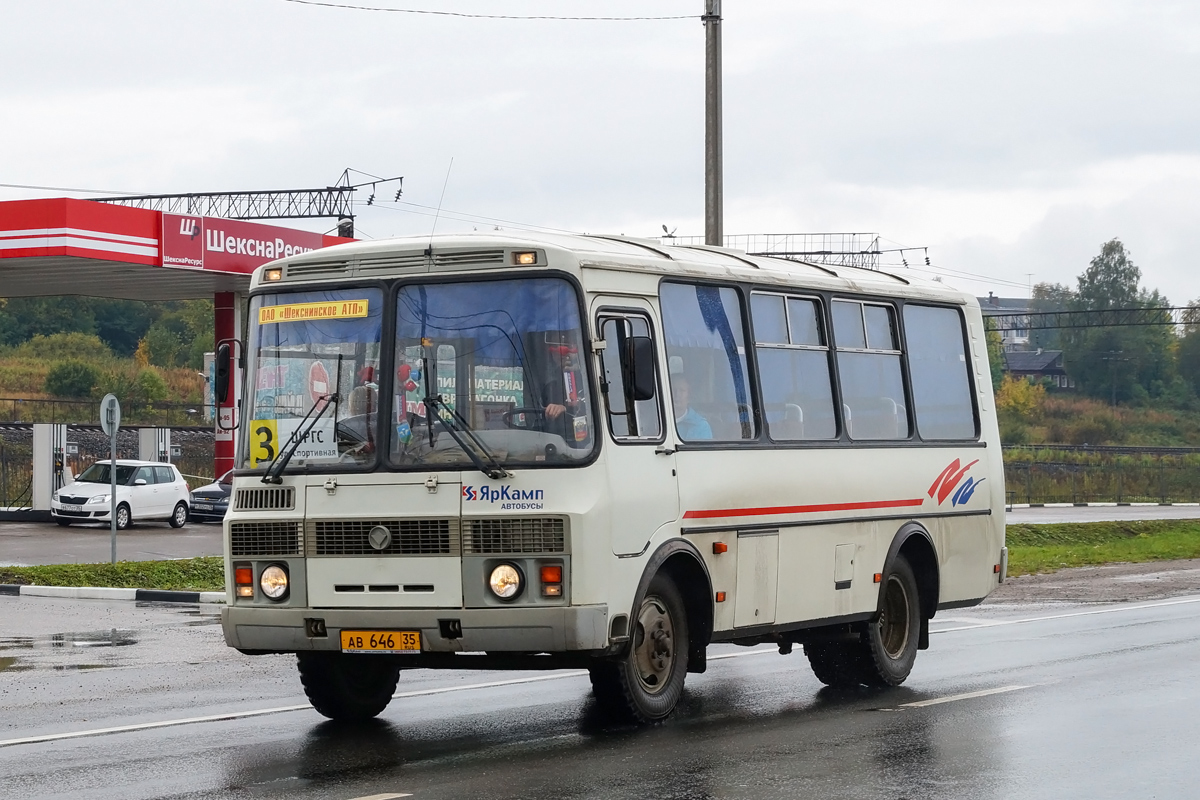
{"x": 759, "y": 512}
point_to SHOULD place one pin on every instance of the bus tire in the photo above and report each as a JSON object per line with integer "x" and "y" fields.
{"x": 889, "y": 647}
{"x": 348, "y": 687}
{"x": 836, "y": 664}
{"x": 648, "y": 681}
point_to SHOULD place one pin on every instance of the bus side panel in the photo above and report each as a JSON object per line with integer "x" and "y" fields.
{"x": 805, "y": 493}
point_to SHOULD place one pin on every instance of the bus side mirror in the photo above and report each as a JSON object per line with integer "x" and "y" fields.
{"x": 224, "y": 369}
{"x": 639, "y": 367}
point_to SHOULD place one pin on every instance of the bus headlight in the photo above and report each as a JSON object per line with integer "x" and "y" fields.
{"x": 505, "y": 581}
{"x": 274, "y": 582}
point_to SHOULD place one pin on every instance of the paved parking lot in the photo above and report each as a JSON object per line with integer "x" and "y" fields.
{"x": 29, "y": 543}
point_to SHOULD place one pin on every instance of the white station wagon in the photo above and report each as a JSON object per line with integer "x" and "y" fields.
{"x": 146, "y": 490}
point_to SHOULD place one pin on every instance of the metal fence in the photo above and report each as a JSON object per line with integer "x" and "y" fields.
{"x": 87, "y": 444}
{"x": 16, "y": 468}
{"x": 1157, "y": 481}
{"x": 87, "y": 412}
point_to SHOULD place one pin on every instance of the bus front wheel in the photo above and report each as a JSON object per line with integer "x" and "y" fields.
{"x": 348, "y": 687}
{"x": 646, "y": 683}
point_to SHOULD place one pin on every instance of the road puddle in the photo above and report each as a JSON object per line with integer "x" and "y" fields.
{"x": 85, "y": 650}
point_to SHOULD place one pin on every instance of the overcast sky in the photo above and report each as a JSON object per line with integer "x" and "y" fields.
{"x": 1010, "y": 138}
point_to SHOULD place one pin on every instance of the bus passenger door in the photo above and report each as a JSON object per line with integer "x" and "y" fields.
{"x": 640, "y": 470}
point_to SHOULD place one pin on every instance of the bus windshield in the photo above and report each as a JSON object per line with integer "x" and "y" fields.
{"x": 490, "y": 371}
{"x": 313, "y": 354}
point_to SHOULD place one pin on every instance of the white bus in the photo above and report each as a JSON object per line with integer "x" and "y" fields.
{"x": 508, "y": 451}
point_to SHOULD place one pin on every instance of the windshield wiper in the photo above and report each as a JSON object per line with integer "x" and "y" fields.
{"x": 279, "y": 464}
{"x": 456, "y": 426}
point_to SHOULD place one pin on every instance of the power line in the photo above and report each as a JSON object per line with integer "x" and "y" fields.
{"x": 62, "y": 189}
{"x": 349, "y": 7}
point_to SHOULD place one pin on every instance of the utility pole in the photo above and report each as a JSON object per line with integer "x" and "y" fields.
{"x": 714, "y": 215}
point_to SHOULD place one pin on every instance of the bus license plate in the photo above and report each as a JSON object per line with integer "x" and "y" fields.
{"x": 386, "y": 642}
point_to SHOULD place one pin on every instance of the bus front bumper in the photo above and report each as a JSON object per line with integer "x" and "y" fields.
{"x": 495, "y": 630}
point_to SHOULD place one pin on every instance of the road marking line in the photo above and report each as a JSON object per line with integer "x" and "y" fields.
{"x": 575, "y": 673}
{"x": 385, "y": 796}
{"x": 966, "y": 696}
{"x": 556, "y": 676}
{"x": 53, "y": 737}
{"x": 1000, "y": 622}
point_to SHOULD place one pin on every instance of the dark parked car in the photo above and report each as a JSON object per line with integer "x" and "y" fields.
{"x": 210, "y": 502}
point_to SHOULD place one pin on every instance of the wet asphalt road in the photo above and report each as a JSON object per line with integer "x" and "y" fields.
{"x": 1105, "y": 709}
{"x": 23, "y": 543}
{"x": 29, "y": 543}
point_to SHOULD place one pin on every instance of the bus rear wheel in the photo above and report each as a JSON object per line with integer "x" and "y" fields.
{"x": 889, "y": 647}
{"x": 836, "y": 664}
{"x": 645, "y": 685}
{"x": 348, "y": 687}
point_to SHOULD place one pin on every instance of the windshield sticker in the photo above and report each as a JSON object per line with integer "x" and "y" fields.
{"x": 301, "y": 312}
{"x": 267, "y": 436}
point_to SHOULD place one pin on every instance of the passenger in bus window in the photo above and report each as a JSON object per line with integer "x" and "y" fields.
{"x": 688, "y": 423}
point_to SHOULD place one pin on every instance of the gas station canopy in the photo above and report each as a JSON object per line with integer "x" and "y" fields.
{"x": 64, "y": 246}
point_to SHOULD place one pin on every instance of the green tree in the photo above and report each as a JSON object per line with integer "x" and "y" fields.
{"x": 1048, "y": 297}
{"x": 26, "y": 317}
{"x": 65, "y": 346}
{"x": 163, "y": 345}
{"x": 71, "y": 379}
{"x": 1189, "y": 347}
{"x": 1118, "y": 363}
{"x": 995, "y": 352}
{"x": 151, "y": 386}
{"x": 123, "y": 323}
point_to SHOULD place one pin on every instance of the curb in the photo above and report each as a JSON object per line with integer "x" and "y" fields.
{"x": 1011, "y": 506}
{"x": 103, "y": 593}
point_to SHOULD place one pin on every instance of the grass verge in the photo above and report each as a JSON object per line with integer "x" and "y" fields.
{"x": 1033, "y": 549}
{"x": 189, "y": 574}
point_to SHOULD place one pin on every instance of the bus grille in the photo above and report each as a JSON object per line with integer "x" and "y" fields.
{"x": 264, "y": 539}
{"x": 410, "y": 537}
{"x": 515, "y": 535}
{"x": 268, "y": 498}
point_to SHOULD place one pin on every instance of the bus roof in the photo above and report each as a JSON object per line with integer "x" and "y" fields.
{"x": 485, "y": 251}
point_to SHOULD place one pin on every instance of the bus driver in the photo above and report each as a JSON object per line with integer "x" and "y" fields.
{"x": 688, "y": 422}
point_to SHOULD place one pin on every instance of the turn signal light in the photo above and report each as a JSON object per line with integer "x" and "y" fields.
{"x": 720, "y": 597}
{"x": 243, "y": 577}
{"x": 879, "y": 577}
{"x": 996, "y": 569}
{"x": 552, "y": 575}
{"x": 720, "y": 547}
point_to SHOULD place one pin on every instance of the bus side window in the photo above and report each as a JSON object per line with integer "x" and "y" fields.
{"x": 706, "y": 349}
{"x": 793, "y": 360}
{"x": 628, "y": 417}
{"x": 937, "y": 359}
{"x": 868, "y": 354}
